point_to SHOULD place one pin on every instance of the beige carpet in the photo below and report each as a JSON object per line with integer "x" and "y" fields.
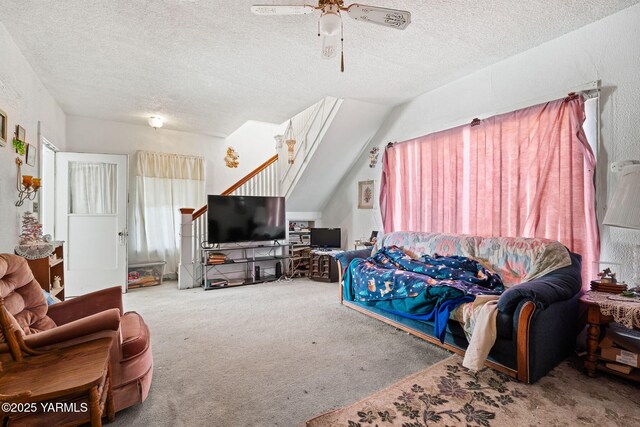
{"x": 274, "y": 354}
{"x": 448, "y": 394}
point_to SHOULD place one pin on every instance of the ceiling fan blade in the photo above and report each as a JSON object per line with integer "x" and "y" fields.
{"x": 393, "y": 18}
{"x": 330, "y": 46}
{"x": 267, "y": 10}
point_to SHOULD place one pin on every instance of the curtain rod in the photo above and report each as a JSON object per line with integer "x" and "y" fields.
{"x": 587, "y": 90}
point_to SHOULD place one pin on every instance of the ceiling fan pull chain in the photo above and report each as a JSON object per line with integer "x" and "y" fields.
{"x": 342, "y": 47}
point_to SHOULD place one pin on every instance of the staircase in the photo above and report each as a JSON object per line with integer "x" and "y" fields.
{"x": 309, "y": 128}
{"x": 330, "y": 135}
{"x": 336, "y": 133}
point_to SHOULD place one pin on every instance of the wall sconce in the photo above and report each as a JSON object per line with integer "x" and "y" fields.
{"x": 26, "y": 185}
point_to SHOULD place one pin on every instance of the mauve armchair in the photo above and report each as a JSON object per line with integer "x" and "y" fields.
{"x": 95, "y": 315}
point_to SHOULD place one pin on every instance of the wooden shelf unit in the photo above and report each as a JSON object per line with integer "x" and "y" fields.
{"x": 45, "y": 269}
{"x": 300, "y": 247}
{"x": 323, "y": 267}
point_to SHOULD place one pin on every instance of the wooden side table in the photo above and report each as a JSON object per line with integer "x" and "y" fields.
{"x": 61, "y": 375}
{"x": 595, "y": 319}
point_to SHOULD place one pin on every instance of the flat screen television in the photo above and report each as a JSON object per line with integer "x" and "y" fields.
{"x": 325, "y": 238}
{"x": 233, "y": 219}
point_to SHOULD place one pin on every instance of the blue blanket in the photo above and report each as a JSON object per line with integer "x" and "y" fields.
{"x": 427, "y": 289}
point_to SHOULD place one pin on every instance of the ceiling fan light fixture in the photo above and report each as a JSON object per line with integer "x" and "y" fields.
{"x": 330, "y": 46}
{"x": 330, "y": 24}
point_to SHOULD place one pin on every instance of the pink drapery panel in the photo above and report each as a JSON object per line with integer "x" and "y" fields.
{"x": 527, "y": 173}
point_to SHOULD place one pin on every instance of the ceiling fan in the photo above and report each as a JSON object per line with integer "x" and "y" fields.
{"x": 330, "y": 26}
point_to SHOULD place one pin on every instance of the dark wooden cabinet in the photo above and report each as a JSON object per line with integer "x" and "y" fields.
{"x": 45, "y": 269}
{"x": 323, "y": 268}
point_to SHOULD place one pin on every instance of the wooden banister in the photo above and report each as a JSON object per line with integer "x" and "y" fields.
{"x": 250, "y": 175}
{"x": 197, "y": 214}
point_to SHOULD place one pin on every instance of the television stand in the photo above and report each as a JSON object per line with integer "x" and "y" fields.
{"x": 255, "y": 263}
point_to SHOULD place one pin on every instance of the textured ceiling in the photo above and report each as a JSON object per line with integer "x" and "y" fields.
{"x": 207, "y": 66}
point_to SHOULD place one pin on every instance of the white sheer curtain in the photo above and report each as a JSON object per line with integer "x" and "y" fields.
{"x": 164, "y": 184}
{"x": 92, "y": 188}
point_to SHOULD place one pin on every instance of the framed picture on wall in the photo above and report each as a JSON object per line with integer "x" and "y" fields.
{"x": 21, "y": 133}
{"x": 3, "y": 128}
{"x": 365, "y": 194}
{"x": 31, "y": 155}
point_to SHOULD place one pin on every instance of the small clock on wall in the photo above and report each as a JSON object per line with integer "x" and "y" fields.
{"x": 3, "y": 128}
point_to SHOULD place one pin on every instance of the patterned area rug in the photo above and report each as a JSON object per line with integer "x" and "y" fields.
{"x": 448, "y": 394}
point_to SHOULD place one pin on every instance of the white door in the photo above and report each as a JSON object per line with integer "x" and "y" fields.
{"x": 91, "y": 218}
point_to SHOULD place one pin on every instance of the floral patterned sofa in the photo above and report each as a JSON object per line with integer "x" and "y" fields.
{"x": 537, "y": 320}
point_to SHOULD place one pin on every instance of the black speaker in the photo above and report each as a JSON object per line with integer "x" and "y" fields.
{"x": 257, "y": 273}
{"x": 278, "y": 270}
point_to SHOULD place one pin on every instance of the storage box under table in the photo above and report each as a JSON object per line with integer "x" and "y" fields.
{"x": 145, "y": 274}
{"x": 621, "y": 356}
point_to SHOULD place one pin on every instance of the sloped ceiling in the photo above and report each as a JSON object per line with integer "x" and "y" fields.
{"x": 208, "y": 66}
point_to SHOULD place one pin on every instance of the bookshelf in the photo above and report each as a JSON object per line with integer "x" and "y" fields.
{"x": 45, "y": 269}
{"x": 300, "y": 247}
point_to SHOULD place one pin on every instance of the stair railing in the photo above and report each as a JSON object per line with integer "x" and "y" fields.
{"x": 313, "y": 130}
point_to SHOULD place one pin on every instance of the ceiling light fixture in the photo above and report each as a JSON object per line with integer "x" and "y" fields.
{"x": 330, "y": 23}
{"x": 156, "y": 122}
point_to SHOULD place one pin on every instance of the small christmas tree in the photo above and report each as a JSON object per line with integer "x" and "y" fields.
{"x": 31, "y": 230}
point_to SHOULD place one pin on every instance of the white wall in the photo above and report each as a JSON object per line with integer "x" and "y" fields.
{"x": 253, "y": 142}
{"x": 347, "y": 133}
{"x": 26, "y": 101}
{"x": 607, "y": 50}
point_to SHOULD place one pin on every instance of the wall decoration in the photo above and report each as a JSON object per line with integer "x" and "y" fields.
{"x": 19, "y": 140}
{"x": 21, "y": 134}
{"x": 290, "y": 140}
{"x": 279, "y": 140}
{"x": 365, "y": 194}
{"x": 3, "y": 128}
{"x": 26, "y": 185}
{"x": 373, "y": 157}
{"x": 31, "y": 155}
{"x": 231, "y": 159}
{"x": 19, "y": 146}
{"x": 291, "y": 143}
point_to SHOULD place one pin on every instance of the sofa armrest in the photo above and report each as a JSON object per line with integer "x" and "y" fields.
{"x": 559, "y": 285}
{"x": 108, "y": 320}
{"x": 86, "y": 305}
{"x": 345, "y": 258}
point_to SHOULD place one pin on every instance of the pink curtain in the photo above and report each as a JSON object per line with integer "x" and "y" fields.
{"x": 527, "y": 173}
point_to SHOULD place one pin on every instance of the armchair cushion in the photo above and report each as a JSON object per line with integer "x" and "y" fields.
{"x": 135, "y": 335}
{"x": 86, "y": 305}
{"x": 105, "y": 320}
{"x": 560, "y": 285}
{"x": 22, "y": 295}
